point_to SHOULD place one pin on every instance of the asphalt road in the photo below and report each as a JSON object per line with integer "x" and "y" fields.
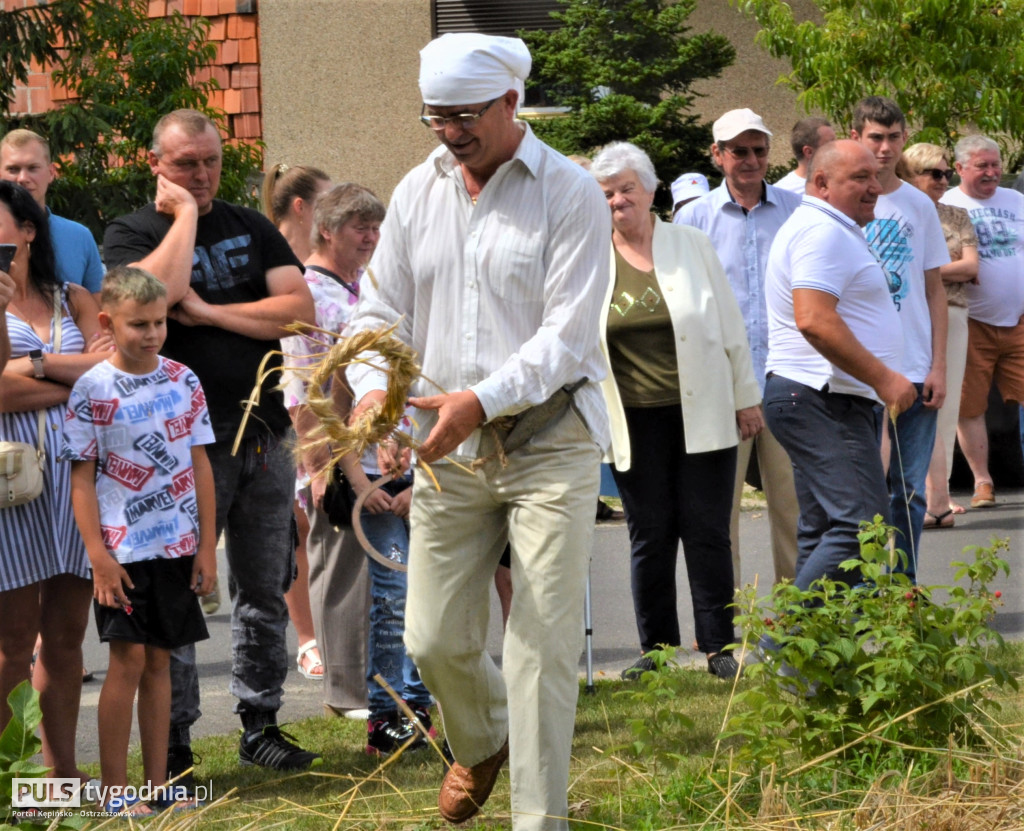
{"x": 615, "y": 644}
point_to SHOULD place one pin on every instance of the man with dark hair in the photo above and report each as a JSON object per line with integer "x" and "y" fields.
{"x": 233, "y": 284}
{"x": 742, "y": 217}
{"x": 807, "y": 136}
{"x": 908, "y": 240}
{"x": 834, "y": 351}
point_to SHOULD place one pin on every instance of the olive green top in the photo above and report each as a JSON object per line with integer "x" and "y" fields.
{"x": 641, "y": 344}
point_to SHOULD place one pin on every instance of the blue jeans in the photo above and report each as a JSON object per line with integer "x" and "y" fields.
{"x": 389, "y": 534}
{"x": 832, "y": 441}
{"x": 913, "y": 439}
{"x": 254, "y": 493}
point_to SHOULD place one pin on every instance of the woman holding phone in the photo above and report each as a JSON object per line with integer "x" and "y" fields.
{"x": 54, "y": 338}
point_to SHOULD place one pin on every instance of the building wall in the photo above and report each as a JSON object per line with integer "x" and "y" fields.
{"x": 339, "y": 87}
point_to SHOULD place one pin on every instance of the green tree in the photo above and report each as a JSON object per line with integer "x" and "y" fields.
{"x": 951, "y": 65}
{"x": 625, "y": 69}
{"x": 123, "y": 71}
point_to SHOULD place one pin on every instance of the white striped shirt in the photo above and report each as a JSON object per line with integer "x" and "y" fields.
{"x": 503, "y": 297}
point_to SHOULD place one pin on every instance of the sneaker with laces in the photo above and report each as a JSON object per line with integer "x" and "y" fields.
{"x": 388, "y": 732}
{"x": 270, "y": 748}
{"x": 639, "y": 667}
{"x": 423, "y": 717}
{"x": 179, "y": 759}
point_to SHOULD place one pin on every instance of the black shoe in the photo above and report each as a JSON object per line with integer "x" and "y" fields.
{"x": 270, "y": 748}
{"x": 179, "y": 759}
{"x": 423, "y": 717}
{"x": 724, "y": 666}
{"x": 640, "y": 666}
{"x": 388, "y": 732}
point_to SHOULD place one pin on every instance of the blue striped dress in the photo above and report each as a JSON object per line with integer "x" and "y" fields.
{"x": 39, "y": 540}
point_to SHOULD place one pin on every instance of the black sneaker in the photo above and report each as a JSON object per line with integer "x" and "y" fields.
{"x": 423, "y": 717}
{"x": 179, "y": 759}
{"x": 639, "y": 667}
{"x": 387, "y": 733}
{"x": 724, "y": 666}
{"x": 270, "y": 748}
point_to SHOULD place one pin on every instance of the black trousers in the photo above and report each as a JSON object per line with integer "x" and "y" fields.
{"x": 671, "y": 496}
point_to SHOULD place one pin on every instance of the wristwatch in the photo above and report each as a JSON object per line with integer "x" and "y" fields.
{"x": 36, "y": 356}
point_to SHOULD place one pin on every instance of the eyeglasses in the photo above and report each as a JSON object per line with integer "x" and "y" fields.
{"x": 464, "y": 121}
{"x": 937, "y": 174}
{"x": 742, "y": 152}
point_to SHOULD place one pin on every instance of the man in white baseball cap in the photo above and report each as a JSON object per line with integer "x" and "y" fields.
{"x": 493, "y": 262}
{"x": 742, "y": 217}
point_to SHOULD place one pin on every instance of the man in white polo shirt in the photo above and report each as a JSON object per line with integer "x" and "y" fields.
{"x": 995, "y": 327}
{"x": 834, "y": 348}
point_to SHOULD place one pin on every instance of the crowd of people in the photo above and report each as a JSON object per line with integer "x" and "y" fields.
{"x": 841, "y": 325}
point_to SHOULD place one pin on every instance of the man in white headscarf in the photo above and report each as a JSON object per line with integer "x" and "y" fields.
{"x": 493, "y": 261}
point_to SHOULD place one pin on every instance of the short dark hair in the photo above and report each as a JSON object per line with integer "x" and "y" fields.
{"x": 805, "y": 134}
{"x": 880, "y": 110}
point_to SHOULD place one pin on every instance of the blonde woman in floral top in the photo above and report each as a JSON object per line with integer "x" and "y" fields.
{"x": 926, "y": 166}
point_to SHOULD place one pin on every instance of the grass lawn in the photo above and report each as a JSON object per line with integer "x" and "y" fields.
{"x": 685, "y": 779}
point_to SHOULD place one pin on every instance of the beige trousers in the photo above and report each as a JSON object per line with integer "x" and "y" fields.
{"x": 783, "y": 510}
{"x": 339, "y": 596}
{"x": 956, "y": 364}
{"x": 543, "y": 503}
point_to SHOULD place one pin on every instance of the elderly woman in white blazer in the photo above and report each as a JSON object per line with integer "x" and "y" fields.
{"x": 681, "y": 394}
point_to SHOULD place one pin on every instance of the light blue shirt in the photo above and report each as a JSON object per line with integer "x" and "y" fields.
{"x": 742, "y": 240}
{"x": 78, "y": 258}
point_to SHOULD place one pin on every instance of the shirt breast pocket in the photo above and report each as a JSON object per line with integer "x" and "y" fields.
{"x": 515, "y": 266}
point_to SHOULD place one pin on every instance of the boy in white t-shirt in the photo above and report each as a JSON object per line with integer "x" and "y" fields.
{"x": 143, "y": 494}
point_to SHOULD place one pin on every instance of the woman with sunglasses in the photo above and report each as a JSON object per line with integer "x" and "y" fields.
{"x": 926, "y": 166}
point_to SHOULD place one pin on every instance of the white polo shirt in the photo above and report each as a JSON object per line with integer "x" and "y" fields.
{"x": 821, "y": 248}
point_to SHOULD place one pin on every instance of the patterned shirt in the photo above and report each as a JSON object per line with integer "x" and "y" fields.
{"x": 141, "y": 430}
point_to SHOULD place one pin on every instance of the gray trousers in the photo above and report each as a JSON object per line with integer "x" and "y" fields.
{"x": 339, "y": 596}
{"x": 254, "y": 491}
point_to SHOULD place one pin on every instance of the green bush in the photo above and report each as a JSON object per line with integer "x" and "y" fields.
{"x": 884, "y": 660}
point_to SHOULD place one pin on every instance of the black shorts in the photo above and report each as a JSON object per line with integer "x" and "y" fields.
{"x": 165, "y": 612}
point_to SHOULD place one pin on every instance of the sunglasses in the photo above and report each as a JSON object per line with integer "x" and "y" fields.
{"x": 937, "y": 174}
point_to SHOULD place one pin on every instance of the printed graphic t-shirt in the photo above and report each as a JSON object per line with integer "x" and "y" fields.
{"x": 141, "y": 429}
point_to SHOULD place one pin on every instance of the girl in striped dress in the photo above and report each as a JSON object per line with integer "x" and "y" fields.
{"x": 45, "y": 584}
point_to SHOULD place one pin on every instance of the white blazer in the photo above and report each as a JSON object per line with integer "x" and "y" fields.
{"x": 716, "y": 375}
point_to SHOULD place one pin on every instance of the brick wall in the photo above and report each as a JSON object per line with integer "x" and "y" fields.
{"x": 234, "y": 27}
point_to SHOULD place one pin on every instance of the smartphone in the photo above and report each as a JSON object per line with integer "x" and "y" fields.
{"x": 7, "y": 252}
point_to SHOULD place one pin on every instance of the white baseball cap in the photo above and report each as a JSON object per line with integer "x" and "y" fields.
{"x": 735, "y": 122}
{"x": 689, "y": 186}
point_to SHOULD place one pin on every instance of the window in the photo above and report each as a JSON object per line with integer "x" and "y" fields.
{"x": 499, "y": 17}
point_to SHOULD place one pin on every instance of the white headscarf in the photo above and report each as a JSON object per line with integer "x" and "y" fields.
{"x": 469, "y": 68}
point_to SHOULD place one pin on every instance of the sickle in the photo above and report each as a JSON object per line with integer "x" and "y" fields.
{"x": 357, "y": 526}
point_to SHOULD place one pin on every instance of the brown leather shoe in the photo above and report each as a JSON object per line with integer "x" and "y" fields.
{"x": 464, "y": 790}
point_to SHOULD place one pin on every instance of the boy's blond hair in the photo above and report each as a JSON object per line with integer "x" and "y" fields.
{"x": 129, "y": 282}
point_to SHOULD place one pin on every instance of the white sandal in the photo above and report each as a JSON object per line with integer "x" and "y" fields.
{"x": 316, "y": 664}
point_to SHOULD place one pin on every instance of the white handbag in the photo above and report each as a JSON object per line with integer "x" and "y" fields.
{"x": 21, "y": 469}
{"x": 21, "y": 464}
